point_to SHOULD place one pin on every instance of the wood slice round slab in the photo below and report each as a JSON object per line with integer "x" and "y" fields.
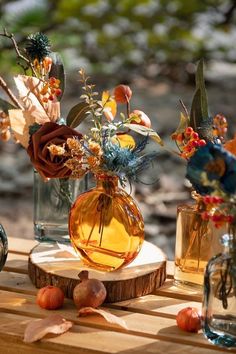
{"x": 59, "y": 265}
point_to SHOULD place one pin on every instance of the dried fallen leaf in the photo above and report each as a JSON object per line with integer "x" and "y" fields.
{"x": 39, "y": 328}
{"x": 109, "y": 317}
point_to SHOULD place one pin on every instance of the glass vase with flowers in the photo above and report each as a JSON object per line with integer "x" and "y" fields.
{"x": 37, "y": 107}
{"x": 105, "y": 224}
{"x": 196, "y": 238}
{"x": 217, "y": 174}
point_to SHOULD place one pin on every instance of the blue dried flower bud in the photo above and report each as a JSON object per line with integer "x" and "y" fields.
{"x": 38, "y": 46}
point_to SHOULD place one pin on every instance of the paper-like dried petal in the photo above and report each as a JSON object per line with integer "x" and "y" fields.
{"x": 20, "y": 122}
{"x": 109, "y": 317}
{"x": 29, "y": 89}
{"x": 53, "y": 111}
{"x": 37, "y": 329}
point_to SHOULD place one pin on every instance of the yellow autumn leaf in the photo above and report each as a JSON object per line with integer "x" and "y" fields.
{"x": 125, "y": 140}
{"x": 109, "y": 104}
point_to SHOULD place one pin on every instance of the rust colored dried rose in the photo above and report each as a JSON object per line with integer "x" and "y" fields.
{"x": 122, "y": 94}
{"x": 46, "y": 164}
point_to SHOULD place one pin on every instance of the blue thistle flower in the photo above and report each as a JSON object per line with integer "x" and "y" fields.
{"x": 38, "y": 46}
{"x": 125, "y": 162}
{"x": 219, "y": 165}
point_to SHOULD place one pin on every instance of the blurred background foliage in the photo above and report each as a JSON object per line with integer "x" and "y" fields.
{"x": 125, "y": 37}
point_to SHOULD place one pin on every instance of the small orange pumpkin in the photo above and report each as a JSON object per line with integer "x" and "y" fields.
{"x": 50, "y": 297}
{"x": 189, "y": 319}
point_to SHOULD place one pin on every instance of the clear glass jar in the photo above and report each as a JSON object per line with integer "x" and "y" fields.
{"x": 219, "y": 303}
{"x": 106, "y": 227}
{"x": 52, "y": 203}
{"x": 196, "y": 243}
{"x": 3, "y": 247}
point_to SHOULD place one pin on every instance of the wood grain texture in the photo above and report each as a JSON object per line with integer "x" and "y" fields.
{"x": 49, "y": 264}
{"x": 141, "y": 325}
{"x": 84, "y": 340}
{"x": 150, "y": 319}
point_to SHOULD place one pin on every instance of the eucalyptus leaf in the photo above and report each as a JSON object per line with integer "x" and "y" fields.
{"x": 77, "y": 114}
{"x": 140, "y": 129}
{"x": 5, "y": 105}
{"x": 199, "y": 115}
{"x": 200, "y": 84}
{"x": 57, "y": 71}
{"x": 196, "y": 113}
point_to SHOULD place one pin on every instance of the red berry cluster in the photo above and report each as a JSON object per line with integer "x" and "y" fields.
{"x": 51, "y": 90}
{"x": 217, "y": 217}
{"x": 208, "y": 199}
{"x": 220, "y": 126}
{"x": 188, "y": 141}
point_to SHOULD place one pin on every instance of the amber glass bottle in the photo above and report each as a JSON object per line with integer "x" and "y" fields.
{"x": 105, "y": 225}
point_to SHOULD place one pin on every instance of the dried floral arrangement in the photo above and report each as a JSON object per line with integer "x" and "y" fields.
{"x": 55, "y": 148}
{"x": 201, "y": 141}
{"x": 211, "y": 160}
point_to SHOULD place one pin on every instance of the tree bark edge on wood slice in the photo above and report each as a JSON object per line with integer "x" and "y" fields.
{"x": 140, "y": 278}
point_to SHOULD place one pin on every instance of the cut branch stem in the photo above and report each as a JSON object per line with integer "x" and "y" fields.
{"x": 17, "y": 50}
{"x": 5, "y": 88}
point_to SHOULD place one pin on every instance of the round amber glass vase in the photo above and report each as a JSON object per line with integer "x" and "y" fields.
{"x": 105, "y": 225}
{"x": 196, "y": 242}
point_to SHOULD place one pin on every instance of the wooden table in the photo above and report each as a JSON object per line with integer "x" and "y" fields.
{"x": 150, "y": 319}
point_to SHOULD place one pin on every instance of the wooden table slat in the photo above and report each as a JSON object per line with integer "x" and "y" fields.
{"x": 89, "y": 340}
{"x": 138, "y": 324}
{"x": 150, "y": 319}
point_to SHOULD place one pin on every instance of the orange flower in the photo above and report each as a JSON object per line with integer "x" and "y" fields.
{"x": 46, "y": 164}
{"x": 122, "y": 94}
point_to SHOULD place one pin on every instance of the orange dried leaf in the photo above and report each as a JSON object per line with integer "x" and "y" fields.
{"x": 109, "y": 317}
{"x": 230, "y": 145}
{"x": 37, "y": 329}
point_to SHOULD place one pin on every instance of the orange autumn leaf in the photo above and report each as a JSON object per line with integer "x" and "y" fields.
{"x": 230, "y": 145}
